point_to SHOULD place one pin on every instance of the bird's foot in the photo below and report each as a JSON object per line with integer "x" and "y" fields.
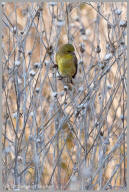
{"x": 60, "y": 77}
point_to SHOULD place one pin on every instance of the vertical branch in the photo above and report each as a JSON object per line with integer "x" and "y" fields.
{"x": 123, "y": 121}
{"x": 67, "y": 17}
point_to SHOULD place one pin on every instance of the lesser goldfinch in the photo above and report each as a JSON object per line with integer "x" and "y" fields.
{"x": 67, "y": 61}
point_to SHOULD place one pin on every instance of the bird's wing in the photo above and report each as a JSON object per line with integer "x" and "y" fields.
{"x": 75, "y": 61}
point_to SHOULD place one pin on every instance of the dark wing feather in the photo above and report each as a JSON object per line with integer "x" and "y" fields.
{"x": 75, "y": 61}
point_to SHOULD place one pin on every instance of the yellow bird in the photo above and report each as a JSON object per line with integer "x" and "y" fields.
{"x": 67, "y": 61}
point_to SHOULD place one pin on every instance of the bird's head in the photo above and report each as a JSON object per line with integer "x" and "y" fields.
{"x": 67, "y": 48}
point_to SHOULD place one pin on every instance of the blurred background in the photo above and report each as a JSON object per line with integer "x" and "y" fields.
{"x": 53, "y": 136}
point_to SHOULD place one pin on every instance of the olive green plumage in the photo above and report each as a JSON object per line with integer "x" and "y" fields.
{"x": 67, "y": 61}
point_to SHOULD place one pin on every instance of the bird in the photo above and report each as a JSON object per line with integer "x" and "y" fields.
{"x": 66, "y": 61}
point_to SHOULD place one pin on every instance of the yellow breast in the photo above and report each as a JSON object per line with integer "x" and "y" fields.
{"x": 66, "y": 66}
